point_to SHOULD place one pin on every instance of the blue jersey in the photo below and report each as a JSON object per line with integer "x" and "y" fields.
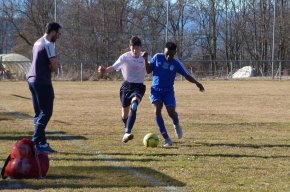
{"x": 164, "y": 72}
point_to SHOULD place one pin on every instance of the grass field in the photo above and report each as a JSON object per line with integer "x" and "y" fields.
{"x": 236, "y": 138}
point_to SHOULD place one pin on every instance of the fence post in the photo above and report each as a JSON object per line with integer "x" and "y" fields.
{"x": 2, "y": 68}
{"x": 231, "y": 76}
{"x": 280, "y": 70}
{"x": 272, "y": 70}
{"x": 81, "y": 71}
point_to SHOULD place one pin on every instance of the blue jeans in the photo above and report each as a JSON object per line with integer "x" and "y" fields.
{"x": 42, "y": 99}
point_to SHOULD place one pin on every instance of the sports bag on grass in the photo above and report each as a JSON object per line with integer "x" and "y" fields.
{"x": 24, "y": 162}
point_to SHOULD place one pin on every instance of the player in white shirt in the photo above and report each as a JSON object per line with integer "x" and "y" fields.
{"x": 133, "y": 89}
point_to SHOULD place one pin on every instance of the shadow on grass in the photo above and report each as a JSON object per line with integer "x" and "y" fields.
{"x": 30, "y": 132}
{"x": 66, "y": 137}
{"x": 50, "y": 135}
{"x": 62, "y": 122}
{"x": 22, "y": 97}
{"x": 240, "y": 125}
{"x": 240, "y": 145}
{"x": 6, "y": 116}
{"x": 63, "y": 137}
{"x": 76, "y": 153}
{"x": 95, "y": 177}
{"x": 109, "y": 159}
{"x": 229, "y": 155}
{"x": 232, "y": 155}
{"x": 11, "y": 115}
{"x": 54, "y": 133}
{"x": 87, "y": 157}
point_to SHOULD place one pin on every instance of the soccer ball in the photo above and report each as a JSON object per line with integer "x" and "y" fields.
{"x": 151, "y": 140}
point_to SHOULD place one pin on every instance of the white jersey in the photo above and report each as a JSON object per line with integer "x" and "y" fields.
{"x": 50, "y": 49}
{"x": 133, "y": 69}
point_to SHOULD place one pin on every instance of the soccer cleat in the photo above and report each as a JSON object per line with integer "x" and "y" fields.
{"x": 127, "y": 137}
{"x": 178, "y": 131}
{"x": 168, "y": 143}
{"x": 45, "y": 148}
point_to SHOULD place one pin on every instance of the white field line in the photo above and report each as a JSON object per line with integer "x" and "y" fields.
{"x": 152, "y": 180}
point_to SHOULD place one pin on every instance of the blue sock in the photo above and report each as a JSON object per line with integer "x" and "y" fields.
{"x": 160, "y": 122}
{"x": 132, "y": 117}
{"x": 175, "y": 119}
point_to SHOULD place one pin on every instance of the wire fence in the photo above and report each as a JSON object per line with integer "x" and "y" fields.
{"x": 227, "y": 69}
{"x": 200, "y": 69}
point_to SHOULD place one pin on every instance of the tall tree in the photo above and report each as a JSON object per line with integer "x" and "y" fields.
{"x": 28, "y": 18}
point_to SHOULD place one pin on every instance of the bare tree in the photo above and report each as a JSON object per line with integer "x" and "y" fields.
{"x": 28, "y": 18}
{"x": 179, "y": 18}
{"x": 283, "y": 32}
{"x": 97, "y": 31}
{"x": 149, "y": 20}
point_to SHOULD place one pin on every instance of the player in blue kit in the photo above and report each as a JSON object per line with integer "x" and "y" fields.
{"x": 164, "y": 68}
{"x": 44, "y": 62}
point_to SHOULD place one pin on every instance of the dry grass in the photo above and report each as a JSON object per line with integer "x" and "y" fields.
{"x": 237, "y": 138}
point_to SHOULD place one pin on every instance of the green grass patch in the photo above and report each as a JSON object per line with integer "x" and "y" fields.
{"x": 236, "y": 138}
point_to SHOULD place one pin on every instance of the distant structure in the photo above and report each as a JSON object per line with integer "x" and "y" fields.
{"x": 244, "y": 72}
{"x": 14, "y": 66}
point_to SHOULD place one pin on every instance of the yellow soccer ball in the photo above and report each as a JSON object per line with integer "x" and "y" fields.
{"x": 151, "y": 140}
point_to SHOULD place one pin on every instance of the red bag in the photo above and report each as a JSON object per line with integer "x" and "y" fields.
{"x": 24, "y": 162}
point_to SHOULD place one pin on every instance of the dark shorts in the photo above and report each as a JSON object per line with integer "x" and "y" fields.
{"x": 130, "y": 90}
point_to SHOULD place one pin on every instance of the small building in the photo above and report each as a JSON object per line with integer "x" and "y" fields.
{"x": 14, "y": 66}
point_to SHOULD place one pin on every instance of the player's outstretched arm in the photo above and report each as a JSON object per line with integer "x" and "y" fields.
{"x": 102, "y": 70}
{"x": 193, "y": 80}
{"x": 146, "y": 63}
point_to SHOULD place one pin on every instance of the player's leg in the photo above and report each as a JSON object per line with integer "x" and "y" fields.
{"x": 128, "y": 135}
{"x": 133, "y": 113}
{"x": 41, "y": 100}
{"x": 125, "y": 114}
{"x": 34, "y": 102}
{"x": 156, "y": 99}
{"x": 44, "y": 95}
{"x": 137, "y": 91}
{"x": 125, "y": 102}
{"x": 130, "y": 121}
{"x": 170, "y": 104}
{"x": 174, "y": 116}
{"x": 160, "y": 123}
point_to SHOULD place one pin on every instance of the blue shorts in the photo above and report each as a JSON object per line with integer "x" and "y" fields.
{"x": 129, "y": 90}
{"x": 163, "y": 96}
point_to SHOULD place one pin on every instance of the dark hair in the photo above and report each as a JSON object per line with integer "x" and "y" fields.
{"x": 52, "y": 26}
{"x": 135, "y": 41}
{"x": 171, "y": 46}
